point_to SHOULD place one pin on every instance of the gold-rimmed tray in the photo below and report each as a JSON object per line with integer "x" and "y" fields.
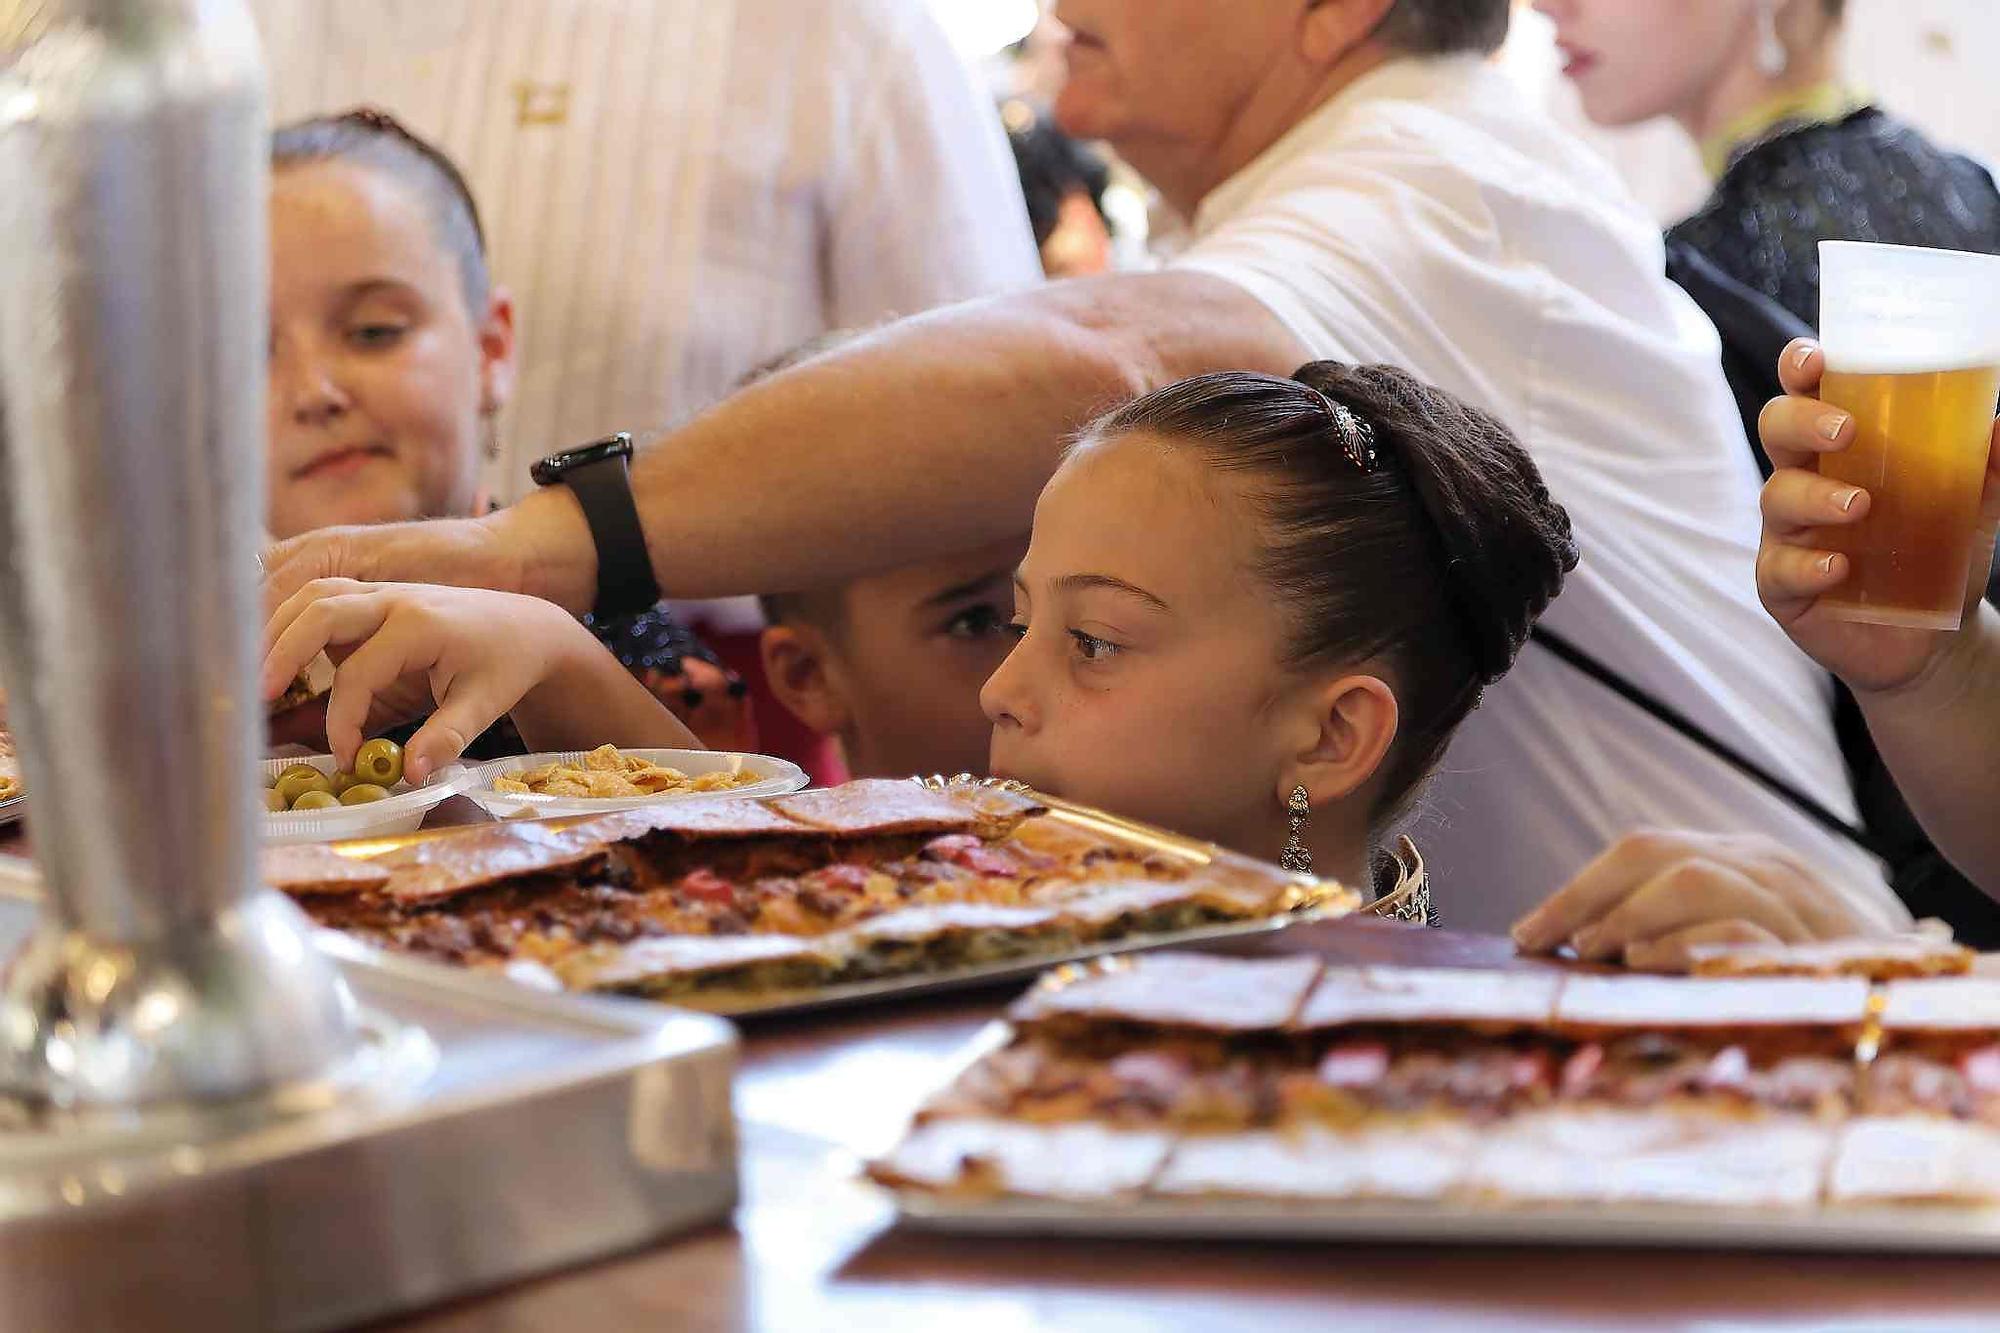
{"x": 1302, "y": 899}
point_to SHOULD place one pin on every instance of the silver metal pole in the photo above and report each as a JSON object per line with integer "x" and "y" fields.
{"x": 133, "y": 327}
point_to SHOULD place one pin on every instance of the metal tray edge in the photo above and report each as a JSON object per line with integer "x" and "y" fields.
{"x": 1917, "y": 1228}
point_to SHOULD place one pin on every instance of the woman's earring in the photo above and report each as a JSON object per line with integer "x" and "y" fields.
{"x": 1295, "y": 856}
{"x": 1771, "y": 54}
{"x": 490, "y": 429}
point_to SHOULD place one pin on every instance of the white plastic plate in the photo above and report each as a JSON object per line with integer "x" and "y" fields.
{"x": 775, "y": 777}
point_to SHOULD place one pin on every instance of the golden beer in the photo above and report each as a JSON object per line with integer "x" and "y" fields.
{"x": 1920, "y": 452}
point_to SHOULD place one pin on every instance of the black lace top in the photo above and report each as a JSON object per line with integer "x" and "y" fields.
{"x": 1865, "y": 177}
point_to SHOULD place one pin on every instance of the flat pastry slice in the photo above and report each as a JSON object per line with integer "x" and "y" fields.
{"x": 695, "y": 821}
{"x": 668, "y": 964}
{"x": 1421, "y": 1158}
{"x": 946, "y": 935}
{"x": 486, "y": 856}
{"x": 1943, "y": 1005}
{"x": 310, "y": 869}
{"x": 1076, "y": 1160}
{"x": 1677, "y": 1154}
{"x": 999, "y": 812}
{"x": 1121, "y": 906}
{"x": 1876, "y": 959}
{"x": 1598, "y": 1005}
{"x": 1479, "y": 999}
{"x": 1915, "y": 1158}
{"x": 877, "y": 806}
{"x": 1178, "y": 990}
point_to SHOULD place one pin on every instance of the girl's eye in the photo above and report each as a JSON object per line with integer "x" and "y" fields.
{"x": 1015, "y": 630}
{"x": 1093, "y": 649}
{"x": 376, "y": 335}
{"x": 975, "y": 622}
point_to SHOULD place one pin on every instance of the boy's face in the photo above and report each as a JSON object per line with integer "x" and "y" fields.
{"x": 909, "y": 656}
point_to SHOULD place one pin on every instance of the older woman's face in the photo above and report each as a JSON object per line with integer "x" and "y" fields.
{"x": 1632, "y": 60}
{"x": 380, "y": 376}
{"x": 1174, "y": 71}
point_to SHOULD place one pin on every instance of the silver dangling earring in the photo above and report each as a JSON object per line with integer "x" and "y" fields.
{"x": 1771, "y": 54}
{"x": 1295, "y": 857}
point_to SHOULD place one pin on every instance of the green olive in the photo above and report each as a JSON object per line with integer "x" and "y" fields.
{"x": 316, "y": 799}
{"x": 380, "y": 762}
{"x": 364, "y": 793}
{"x": 297, "y": 782}
{"x": 342, "y": 781}
{"x": 274, "y": 802}
{"x": 290, "y": 770}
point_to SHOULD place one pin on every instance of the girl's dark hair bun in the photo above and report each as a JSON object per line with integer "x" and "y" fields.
{"x": 1435, "y": 557}
{"x": 1504, "y": 542}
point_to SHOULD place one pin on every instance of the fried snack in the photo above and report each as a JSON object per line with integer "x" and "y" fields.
{"x": 608, "y": 774}
{"x": 10, "y": 768}
{"x": 1888, "y": 959}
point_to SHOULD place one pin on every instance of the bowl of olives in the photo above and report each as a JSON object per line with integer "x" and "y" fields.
{"x": 314, "y": 800}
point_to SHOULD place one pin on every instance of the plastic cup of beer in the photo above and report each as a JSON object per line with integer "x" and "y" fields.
{"x": 1912, "y": 342}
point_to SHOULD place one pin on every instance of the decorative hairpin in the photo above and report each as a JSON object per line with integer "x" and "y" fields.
{"x": 1357, "y": 437}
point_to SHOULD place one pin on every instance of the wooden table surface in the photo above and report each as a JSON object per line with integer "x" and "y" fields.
{"x": 813, "y": 1248}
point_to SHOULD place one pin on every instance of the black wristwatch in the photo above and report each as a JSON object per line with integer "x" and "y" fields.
{"x": 598, "y": 475}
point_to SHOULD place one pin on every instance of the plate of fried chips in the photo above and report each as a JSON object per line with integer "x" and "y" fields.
{"x": 575, "y": 782}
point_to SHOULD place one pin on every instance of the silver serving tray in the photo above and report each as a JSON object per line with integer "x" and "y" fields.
{"x": 975, "y": 975}
{"x": 1924, "y": 1228}
{"x": 12, "y": 810}
{"x": 502, "y": 1133}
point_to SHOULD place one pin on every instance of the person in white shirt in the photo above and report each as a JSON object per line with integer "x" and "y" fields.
{"x": 677, "y": 191}
{"x": 1363, "y": 187}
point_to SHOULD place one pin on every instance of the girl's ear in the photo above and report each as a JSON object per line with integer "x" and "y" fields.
{"x": 1355, "y": 720}
{"x": 496, "y": 352}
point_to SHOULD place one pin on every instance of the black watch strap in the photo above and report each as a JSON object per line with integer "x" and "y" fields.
{"x": 599, "y": 476}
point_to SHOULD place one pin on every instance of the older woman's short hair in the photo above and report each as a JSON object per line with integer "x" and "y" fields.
{"x": 1442, "y": 27}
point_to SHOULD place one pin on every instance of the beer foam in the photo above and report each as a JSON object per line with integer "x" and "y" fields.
{"x": 1929, "y": 357}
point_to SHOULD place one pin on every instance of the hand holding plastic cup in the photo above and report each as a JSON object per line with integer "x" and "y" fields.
{"x": 1912, "y": 343}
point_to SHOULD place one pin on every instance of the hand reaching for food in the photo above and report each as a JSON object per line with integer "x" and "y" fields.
{"x": 478, "y": 655}
{"x": 1654, "y": 899}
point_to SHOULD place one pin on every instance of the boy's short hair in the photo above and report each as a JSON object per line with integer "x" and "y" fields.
{"x": 822, "y": 608}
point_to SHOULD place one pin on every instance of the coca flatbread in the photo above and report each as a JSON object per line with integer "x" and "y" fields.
{"x": 1179, "y": 990}
{"x": 1658, "y": 1155}
{"x": 1483, "y": 1001}
{"x": 691, "y": 960}
{"x": 485, "y": 857}
{"x": 1423, "y": 1158}
{"x": 1942, "y": 1005}
{"x": 1592, "y": 1005}
{"x": 1915, "y": 1158}
{"x": 314, "y": 869}
{"x": 1064, "y": 1161}
{"x": 876, "y": 807}
{"x": 1876, "y": 959}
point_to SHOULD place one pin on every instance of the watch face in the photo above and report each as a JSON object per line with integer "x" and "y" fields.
{"x": 548, "y": 471}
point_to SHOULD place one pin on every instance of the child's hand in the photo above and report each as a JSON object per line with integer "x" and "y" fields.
{"x": 1655, "y": 896}
{"x": 475, "y": 653}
